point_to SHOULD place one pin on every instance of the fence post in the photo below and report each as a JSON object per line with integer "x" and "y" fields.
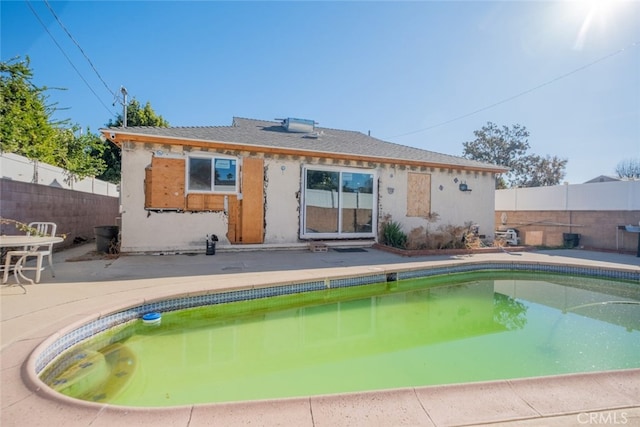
{"x": 34, "y": 178}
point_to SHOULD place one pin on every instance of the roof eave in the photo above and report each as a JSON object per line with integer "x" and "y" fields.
{"x": 119, "y": 136}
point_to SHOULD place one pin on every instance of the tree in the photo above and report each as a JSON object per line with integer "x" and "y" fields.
{"x": 110, "y": 155}
{"x": 80, "y": 152}
{"x": 542, "y": 171}
{"x": 139, "y": 116}
{"x": 136, "y": 116}
{"x": 26, "y": 127}
{"x": 509, "y": 147}
{"x": 24, "y": 115}
{"x": 629, "y": 168}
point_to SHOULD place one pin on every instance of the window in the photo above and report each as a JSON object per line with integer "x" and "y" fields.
{"x": 338, "y": 203}
{"x": 212, "y": 174}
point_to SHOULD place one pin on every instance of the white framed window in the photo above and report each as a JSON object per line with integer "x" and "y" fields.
{"x": 338, "y": 202}
{"x": 212, "y": 174}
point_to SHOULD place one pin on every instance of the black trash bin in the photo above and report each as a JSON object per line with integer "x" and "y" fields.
{"x": 211, "y": 248}
{"x": 571, "y": 240}
{"x": 211, "y": 244}
{"x": 106, "y": 237}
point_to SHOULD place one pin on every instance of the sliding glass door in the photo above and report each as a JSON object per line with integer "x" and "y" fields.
{"x": 338, "y": 203}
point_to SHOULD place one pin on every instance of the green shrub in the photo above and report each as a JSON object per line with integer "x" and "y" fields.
{"x": 392, "y": 235}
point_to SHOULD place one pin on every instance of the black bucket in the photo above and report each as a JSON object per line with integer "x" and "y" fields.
{"x": 106, "y": 237}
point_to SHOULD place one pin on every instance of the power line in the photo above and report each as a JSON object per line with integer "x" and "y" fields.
{"x": 46, "y": 2}
{"x": 66, "y": 56}
{"x": 495, "y": 104}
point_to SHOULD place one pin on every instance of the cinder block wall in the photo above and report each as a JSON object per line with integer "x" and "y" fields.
{"x": 75, "y": 212}
{"x": 597, "y": 229}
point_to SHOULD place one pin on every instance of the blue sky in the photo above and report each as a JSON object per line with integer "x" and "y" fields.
{"x": 409, "y": 72}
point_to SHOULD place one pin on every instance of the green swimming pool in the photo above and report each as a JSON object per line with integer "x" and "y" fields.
{"x": 427, "y": 331}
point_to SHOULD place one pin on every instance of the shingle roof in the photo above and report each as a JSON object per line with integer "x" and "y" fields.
{"x": 261, "y": 133}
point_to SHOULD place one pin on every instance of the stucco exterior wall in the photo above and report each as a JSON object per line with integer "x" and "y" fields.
{"x": 454, "y": 207}
{"x": 282, "y": 200}
{"x": 170, "y": 231}
{"x": 146, "y": 231}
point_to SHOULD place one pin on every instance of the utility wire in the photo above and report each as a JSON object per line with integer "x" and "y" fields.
{"x": 495, "y": 104}
{"x": 67, "y": 56}
{"x": 46, "y": 2}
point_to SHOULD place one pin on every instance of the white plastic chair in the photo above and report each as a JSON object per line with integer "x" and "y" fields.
{"x": 38, "y": 229}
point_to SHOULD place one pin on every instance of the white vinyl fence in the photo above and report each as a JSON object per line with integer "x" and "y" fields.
{"x": 600, "y": 196}
{"x": 19, "y": 168}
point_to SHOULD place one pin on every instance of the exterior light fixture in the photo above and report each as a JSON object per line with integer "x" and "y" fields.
{"x": 463, "y": 187}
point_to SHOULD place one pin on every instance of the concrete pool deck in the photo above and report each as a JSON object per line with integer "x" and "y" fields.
{"x": 83, "y": 288}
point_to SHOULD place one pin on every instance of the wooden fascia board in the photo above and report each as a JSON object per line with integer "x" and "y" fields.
{"x": 121, "y": 137}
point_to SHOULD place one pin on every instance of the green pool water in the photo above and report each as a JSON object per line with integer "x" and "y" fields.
{"x": 465, "y": 328}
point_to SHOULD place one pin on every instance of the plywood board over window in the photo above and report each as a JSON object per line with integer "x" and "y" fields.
{"x": 418, "y": 194}
{"x": 205, "y": 202}
{"x": 164, "y": 184}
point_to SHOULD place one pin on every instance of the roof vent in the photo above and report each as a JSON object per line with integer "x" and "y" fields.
{"x": 298, "y": 125}
{"x": 314, "y": 135}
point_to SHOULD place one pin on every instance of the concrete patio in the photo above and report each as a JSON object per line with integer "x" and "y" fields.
{"x": 83, "y": 288}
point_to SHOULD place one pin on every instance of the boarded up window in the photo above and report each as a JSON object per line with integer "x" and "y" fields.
{"x": 165, "y": 188}
{"x": 418, "y": 194}
{"x": 164, "y": 184}
{"x": 205, "y": 202}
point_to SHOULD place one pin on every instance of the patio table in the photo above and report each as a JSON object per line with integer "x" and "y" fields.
{"x": 33, "y": 242}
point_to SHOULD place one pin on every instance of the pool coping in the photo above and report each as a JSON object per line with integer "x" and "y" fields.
{"x": 571, "y": 398}
{"x": 424, "y": 404}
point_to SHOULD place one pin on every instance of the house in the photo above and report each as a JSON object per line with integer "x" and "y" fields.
{"x": 286, "y": 183}
{"x": 603, "y": 178}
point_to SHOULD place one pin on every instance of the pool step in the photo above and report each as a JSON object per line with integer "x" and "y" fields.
{"x": 89, "y": 370}
{"x": 97, "y": 375}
